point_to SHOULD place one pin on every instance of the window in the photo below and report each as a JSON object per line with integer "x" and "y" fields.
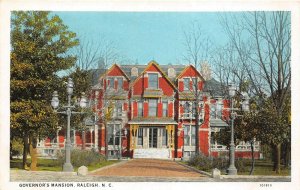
{"x": 111, "y": 82}
{"x": 194, "y": 84}
{"x": 213, "y": 114}
{"x": 118, "y": 109}
{"x": 152, "y": 107}
{"x": 165, "y": 109}
{"x": 186, "y": 108}
{"x": 188, "y": 153}
{"x": 113, "y": 134}
{"x": 186, "y": 84}
{"x": 140, "y": 108}
{"x": 189, "y": 135}
{"x": 164, "y": 137}
{"x": 120, "y": 83}
{"x": 219, "y": 108}
{"x": 140, "y": 136}
{"x": 186, "y": 135}
{"x": 193, "y": 109}
{"x": 153, "y": 80}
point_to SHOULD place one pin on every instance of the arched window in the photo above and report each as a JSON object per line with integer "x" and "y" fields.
{"x": 134, "y": 72}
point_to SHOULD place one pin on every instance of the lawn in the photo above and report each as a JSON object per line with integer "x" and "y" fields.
{"x": 261, "y": 167}
{"x": 53, "y": 165}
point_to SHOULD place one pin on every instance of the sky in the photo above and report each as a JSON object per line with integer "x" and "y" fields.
{"x": 143, "y": 36}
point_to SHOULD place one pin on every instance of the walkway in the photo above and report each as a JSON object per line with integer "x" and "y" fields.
{"x": 149, "y": 168}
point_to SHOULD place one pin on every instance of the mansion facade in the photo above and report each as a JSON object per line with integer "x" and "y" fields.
{"x": 149, "y": 111}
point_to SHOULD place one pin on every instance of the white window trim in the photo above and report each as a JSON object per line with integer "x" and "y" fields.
{"x": 190, "y": 80}
{"x": 149, "y": 108}
{"x": 108, "y": 85}
{"x": 190, "y": 135}
{"x": 120, "y": 77}
{"x": 158, "y": 76}
{"x": 184, "y": 88}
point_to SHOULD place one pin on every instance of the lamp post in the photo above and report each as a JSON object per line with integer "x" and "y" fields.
{"x": 245, "y": 106}
{"x": 67, "y": 167}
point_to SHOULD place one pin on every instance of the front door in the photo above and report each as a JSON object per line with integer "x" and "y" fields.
{"x": 152, "y": 137}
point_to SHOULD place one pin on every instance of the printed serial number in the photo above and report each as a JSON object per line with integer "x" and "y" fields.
{"x": 265, "y": 185}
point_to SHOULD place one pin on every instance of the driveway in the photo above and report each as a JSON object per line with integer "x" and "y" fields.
{"x": 149, "y": 168}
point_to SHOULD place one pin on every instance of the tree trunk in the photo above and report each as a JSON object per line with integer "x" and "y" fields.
{"x": 25, "y": 151}
{"x": 253, "y": 160}
{"x": 33, "y": 154}
{"x": 11, "y": 151}
{"x": 277, "y": 158}
{"x": 274, "y": 156}
{"x": 287, "y": 155}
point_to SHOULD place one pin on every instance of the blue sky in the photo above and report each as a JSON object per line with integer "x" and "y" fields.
{"x": 143, "y": 36}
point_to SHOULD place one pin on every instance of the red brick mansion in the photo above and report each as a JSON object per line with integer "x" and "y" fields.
{"x": 148, "y": 111}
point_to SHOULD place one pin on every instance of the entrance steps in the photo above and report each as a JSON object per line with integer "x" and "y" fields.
{"x": 162, "y": 153}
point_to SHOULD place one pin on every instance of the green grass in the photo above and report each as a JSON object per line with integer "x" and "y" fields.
{"x": 102, "y": 164}
{"x": 261, "y": 167}
{"x": 53, "y": 165}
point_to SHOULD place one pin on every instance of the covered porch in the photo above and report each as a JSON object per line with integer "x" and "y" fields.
{"x": 152, "y": 138}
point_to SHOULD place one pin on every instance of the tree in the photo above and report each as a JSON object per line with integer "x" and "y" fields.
{"x": 197, "y": 52}
{"x": 274, "y": 130}
{"x": 227, "y": 68}
{"x": 262, "y": 43}
{"x": 94, "y": 59}
{"x": 40, "y": 44}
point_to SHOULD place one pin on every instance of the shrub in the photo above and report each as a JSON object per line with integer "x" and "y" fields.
{"x": 201, "y": 162}
{"x": 221, "y": 163}
{"x": 81, "y": 157}
{"x": 16, "y": 147}
{"x": 240, "y": 165}
{"x": 206, "y": 163}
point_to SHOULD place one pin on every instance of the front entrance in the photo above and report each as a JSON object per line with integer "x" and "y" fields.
{"x": 152, "y": 137}
{"x": 152, "y": 141}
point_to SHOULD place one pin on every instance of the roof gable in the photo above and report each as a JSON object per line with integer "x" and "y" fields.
{"x": 190, "y": 71}
{"x": 157, "y": 68}
{"x": 115, "y": 70}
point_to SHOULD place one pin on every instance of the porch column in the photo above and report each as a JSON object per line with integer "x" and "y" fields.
{"x": 133, "y": 133}
{"x": 170, "y": 131}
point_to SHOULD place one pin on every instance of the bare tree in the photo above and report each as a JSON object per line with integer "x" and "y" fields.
{"x": 262, "y": 42}
{"x": 197, "y": 47}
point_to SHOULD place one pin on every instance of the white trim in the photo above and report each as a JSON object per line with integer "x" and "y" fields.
{"x": 158, "y": 76}
{"x": 203, "y": 129}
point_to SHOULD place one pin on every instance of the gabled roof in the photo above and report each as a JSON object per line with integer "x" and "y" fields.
{"x": 112, "y": 67}
{"x": 186, "y": 68}
{"x": 141, "y": 68}
{"x": 158, "y": 67}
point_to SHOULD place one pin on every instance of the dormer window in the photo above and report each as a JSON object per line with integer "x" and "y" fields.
{"x": 120, "y": 83}
{"x": 171, "y": 73}
{"x": 134, "y": 72}
{"x": 111, "y": 83}
{"x": 186, "y": 84}
{"x": 153, "y": 80}
{"x": 194, "y": 84}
